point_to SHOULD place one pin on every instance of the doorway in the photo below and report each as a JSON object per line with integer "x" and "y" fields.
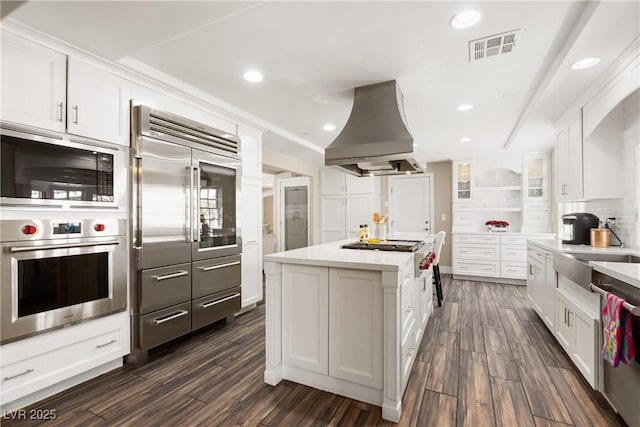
{"x": 293, "y": 209}
{"x": 411, "y": 208}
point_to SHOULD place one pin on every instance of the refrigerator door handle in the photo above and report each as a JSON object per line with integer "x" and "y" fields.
{"x": 195, "y": 226}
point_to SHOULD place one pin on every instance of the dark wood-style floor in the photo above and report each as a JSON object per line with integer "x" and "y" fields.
{"x": 486, "y": 359}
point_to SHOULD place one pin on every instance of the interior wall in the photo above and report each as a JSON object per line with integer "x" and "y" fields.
{"x": 442, "y": 200}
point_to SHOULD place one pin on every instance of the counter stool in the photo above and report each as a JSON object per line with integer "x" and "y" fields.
{"x": 437, "y": 248}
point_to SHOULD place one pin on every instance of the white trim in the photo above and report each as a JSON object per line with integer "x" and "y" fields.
{"x": 282, "y": 184}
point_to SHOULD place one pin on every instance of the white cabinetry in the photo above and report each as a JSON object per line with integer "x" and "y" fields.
{"x": 569, "y": 161}
{"x": 476, "y": 255}
{"x": 462, "y": 181}
{"x": 33, "y": 83}
{"x": 37, "y": 367}
{"x": 347, "y": 201}
{"x": 541, "y": 284}
{"x": 251, "y": 220}
{"x": 355, "y": 326}
{"x": 38, "y": 90}
{"x": 97, "y": 103}
{"x": 577, "y": 332}
{"x": 305, "y": 317}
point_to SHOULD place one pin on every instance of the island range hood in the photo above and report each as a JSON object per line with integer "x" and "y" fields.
{"x": 375, "y": 140}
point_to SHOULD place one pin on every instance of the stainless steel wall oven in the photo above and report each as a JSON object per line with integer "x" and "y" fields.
{"x": 187, "y": 247}
{"x": 55, "y": 273}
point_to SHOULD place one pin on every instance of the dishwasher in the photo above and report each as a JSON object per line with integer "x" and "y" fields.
{"x": 622, "y": 384}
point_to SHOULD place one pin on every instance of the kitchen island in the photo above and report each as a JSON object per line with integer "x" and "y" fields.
{"x": 346, "y": 321}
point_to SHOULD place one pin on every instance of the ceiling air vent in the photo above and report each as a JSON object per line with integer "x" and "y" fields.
{"x": 493, "y": 45}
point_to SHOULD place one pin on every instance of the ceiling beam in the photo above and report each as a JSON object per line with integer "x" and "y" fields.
{"x": 555, "y": 57}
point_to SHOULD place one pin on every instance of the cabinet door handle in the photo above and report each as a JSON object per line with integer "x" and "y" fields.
{"x": 106, "y": 344}
{"x": 530, "y": 269}
{"x": 565, "y": 315}
{"x": 60, "y": 111}
{"x": 569, "y": 318}
{"x": 75, "y": 114}
{"x": 28, "y": 371}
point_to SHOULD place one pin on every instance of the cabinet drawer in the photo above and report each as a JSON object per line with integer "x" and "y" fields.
{"x": 214, "y": 307}
{"x": 476, "y": 238}
{"x": 32, "y": 374}
{"x": 164, "y": 325}
{"x": 462, "y": 218}
{"x": 215, "y": 275}
{"x": 536, "y": 219}
{"x": 463, "y": 206}
{"x": 536, "y": 206}
{"x": 489, "y": 252}
{"x": 513, "y": 270}
{"x": 514, "y": 241}
{"x": 513, "y": 253}
{"x": 477, "y": 268}
{"x": 165, "y": 286}
{"x": 537, "y": 254}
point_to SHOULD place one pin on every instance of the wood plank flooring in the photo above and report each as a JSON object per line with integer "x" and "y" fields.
{"x": 486, "y": 360}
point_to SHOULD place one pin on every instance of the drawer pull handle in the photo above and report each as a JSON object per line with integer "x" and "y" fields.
{"x": 106, "y": 344}
{"x": 218, "y": 301}
{"x": 215, "y": 267}
{"x": 162, "y": 320}
{"x": 171, "y": 276}
{"x": 28, "y": 371}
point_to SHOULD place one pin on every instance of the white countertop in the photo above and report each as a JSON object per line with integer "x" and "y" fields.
{"x": 624, "y": 271}
{"x": 332, "y": 255}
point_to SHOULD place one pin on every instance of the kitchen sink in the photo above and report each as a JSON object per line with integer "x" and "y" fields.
{"x": 576, "y": 266}
{"x": 608, "y": 257}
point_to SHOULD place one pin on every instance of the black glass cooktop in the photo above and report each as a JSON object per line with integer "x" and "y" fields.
{"x": 388, "y": 245}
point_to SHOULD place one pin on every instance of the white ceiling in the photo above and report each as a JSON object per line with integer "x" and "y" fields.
{"x": 313, "y": 54}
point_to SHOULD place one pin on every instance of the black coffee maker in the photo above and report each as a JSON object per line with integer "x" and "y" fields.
{"x": 576, "y": 228}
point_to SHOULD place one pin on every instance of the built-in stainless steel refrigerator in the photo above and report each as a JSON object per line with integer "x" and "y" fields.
{"x": 186, "y": 255}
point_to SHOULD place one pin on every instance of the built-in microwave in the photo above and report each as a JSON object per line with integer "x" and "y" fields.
{"x": 49, "y": 170}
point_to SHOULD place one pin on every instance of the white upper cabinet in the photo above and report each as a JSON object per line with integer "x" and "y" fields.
{"x": 33, "y": 83}
{"x": 251, "y": 151}
{"x": 332, "y": 181}
{"x": 462, "y": 181}
{"x": 98, "y": 103}
{"x": 39, "y": 89}
{"x": 535, "y": 177}
{"x": 569, "y": 161}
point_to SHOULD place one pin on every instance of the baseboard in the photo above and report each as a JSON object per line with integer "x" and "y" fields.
{"x": 446, "y": 269}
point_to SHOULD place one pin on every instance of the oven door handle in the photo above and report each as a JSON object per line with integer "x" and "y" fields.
{"x": 14, "y": 249}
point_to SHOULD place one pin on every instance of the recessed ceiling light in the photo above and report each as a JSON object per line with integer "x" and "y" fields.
{"x": 585, "y": 63}
{"x": 328, "y": 127}
{"x": 465, "y": 19}
{"x": 465, "y": 139}
{"x": 253, "y": 76}
{"x": 465, "y": 107}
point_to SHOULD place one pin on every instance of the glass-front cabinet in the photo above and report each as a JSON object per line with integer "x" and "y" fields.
{"x": 535, "y": 177}
{"x": 462, "y": 186}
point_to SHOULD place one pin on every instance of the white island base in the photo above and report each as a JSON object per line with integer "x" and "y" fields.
{"x": 346, "y": 321}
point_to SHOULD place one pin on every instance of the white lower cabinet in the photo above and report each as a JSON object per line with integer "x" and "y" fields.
{"x": 305, "y": 317}
{"x": 37, "y": 367}
{"x": 550, "y": 284}
{"x": 251, "y": 241}
{"x": 577, "y": 331}
{"x": 541, "y": 284}
{"x": 251, "y": 273}
{"x": 355, "y": 326}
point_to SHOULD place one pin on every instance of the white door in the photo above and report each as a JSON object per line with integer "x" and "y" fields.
{"x": 411, "y": 203}
{"x": 294, "y": 202}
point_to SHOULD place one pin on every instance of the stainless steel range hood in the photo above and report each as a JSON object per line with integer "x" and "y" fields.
{"x": 375, "y": 140}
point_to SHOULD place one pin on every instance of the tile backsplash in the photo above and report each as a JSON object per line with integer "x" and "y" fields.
{"x": 622, "y": 210}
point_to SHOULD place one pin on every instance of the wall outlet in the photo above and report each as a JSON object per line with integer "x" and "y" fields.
{"x": 443, "y": 217}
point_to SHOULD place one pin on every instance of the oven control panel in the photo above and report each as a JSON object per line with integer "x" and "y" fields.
{"x": 67, "y": 228}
